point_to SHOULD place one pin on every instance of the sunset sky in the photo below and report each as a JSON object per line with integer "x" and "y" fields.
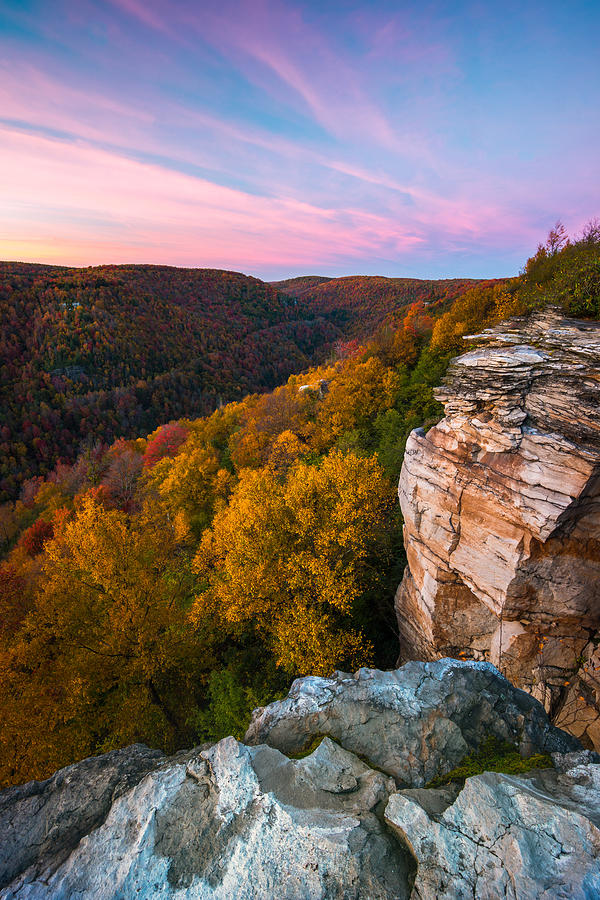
{"x": 278, "y": 138}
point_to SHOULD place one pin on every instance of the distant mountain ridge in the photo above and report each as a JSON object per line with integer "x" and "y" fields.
{"x": 98, "y": 353}
{"x": 103, "y": 352}
{"x": 359, "y": 304}
{"x": 303, "y": 284}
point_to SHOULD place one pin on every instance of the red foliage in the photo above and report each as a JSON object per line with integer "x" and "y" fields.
{"x": 32, "y": 541}
{"x": 166, "y": 442}
{"x": 417, "y": 320}
{"x": 360, "y": 304}
{"x": 88, "y": 355}
{"x": 348, "y": 349}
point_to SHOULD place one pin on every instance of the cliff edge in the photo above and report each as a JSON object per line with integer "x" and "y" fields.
{"x": 252, "y": 823}
{"x": 501, "y": 505}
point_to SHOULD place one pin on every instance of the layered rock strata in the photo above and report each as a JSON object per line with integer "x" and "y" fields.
{"x": 501, "y": 505}
{"x": 247, "y": 822}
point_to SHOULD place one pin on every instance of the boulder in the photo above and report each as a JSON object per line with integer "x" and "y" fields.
{"x": 413, "y": 723}
{"x": 43, "y": 821}
{"x": 228, "y": 820}
{"x": 231, "y": 822}
{"x": 502, "y": 836}
{"x": 501, "y": 505}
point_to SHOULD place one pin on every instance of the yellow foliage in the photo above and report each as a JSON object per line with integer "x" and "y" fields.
{"x": 290, "y": 555}
{"x": 250, "y": 446}
{"x": 309, "y": 643}
{"x": 285, "y": 450}
{"x": 360, "y": 391}
{"x": 108, "y": 631}
{"x": 191, "y": 482}
{"x": 506, "y": 305}
{"x": 477, "y": 308}
{"x": 263, "y": 419}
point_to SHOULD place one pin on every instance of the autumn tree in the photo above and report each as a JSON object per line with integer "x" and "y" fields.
{"x": 33, "y": 539}
{"x": 590, "y": 234}
{"x": 557, "y": 238}
{"x": 286, "y": 449}
{"x": 120, "y": 481}
{"x": 106, "y": 656}
{"x": 165, "y": 441}
{"x": 361, "y": 391}
{"x": 15, "y": 601}
{"x": 291, "y": 557}
{"x": 9, "y": 525}
{"x": 191, "y": 483}
{"x": 262, "y": 420}
{"x": 477, "y": 308}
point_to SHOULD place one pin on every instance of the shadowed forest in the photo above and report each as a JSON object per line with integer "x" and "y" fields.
{"x": 90, "y": 355}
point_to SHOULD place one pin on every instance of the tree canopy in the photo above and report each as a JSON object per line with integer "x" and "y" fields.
{"x": 159, "y": 587}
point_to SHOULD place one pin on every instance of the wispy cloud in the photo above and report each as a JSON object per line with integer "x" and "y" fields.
{"x": 283, "y": 135}
{"x": 97, "y": 201}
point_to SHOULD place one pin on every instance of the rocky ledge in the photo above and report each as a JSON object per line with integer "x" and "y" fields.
{"x": 414, "y": 723}
{"x": 350, "y": 820}
{"x": 501, "y": 504}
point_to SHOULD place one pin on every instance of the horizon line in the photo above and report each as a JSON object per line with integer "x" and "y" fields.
{"x": 121, "y": 265}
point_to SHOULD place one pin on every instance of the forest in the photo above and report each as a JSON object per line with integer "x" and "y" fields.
{"x": 160, "y": 587}
{"x": 91, "y": 355}
{"x": 359, "y": 304}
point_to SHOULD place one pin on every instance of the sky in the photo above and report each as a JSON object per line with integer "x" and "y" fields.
{"x": 278, "y": 138}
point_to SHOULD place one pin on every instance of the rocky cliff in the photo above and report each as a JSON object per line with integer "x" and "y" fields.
{"x": 501, "y": 504}
{"x": 249, "y": 822}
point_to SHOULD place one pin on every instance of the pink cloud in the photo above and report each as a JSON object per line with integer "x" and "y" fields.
{"x": 81, "y": 205}
{"x": 269, "y": 34}
{"x": 269, "y": 38}
{"x": 30, "y": 95}
{"x": 375, "y": 188}
{"x": 145, "y": 13}
{"x": 78, "y": 204}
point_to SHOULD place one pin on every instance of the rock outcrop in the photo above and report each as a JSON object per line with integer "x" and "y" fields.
{"x": 41, "y": 823}
{"x": 501, "y": 504}
{"x": 234, "y": 822}
{"x": 414, "y": 723}
{"x": 535, "y": 836}
{"x": 247, "y": 822}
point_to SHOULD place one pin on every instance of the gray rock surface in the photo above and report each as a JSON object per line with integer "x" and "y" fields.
{"x": 235, "y": 822}
{"x": 413, "y": 723}
{"x": 532, "y": 837}
{"x": 43, "y": 821}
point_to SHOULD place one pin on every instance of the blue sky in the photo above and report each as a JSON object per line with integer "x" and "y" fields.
{"x": 277, "y": 138}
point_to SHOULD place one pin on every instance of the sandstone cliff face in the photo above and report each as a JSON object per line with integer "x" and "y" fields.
{"x": 501, "y": 503}
{"x": 247, "y": 822}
